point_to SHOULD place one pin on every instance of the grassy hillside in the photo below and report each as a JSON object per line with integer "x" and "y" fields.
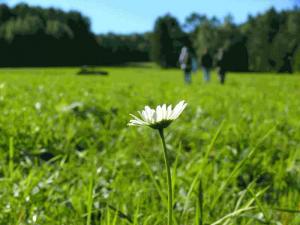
{"x": 68, "y": 157}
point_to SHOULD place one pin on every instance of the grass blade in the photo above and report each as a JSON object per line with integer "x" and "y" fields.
{"x": 90, "y": 201}
{"x": 197, "y": 177}
{"x": 11, "y": 157}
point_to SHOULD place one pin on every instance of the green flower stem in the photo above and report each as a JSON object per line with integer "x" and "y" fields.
{"x": 169, "y": 178}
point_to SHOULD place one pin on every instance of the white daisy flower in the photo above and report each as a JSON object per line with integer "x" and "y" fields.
{"x": 160, "y": 118}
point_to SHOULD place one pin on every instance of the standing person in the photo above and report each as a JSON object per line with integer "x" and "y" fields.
{"x": 221, "y": 64}
{"x": 194, "y": 63}
{"x": 185, "y": 60}
{"x": 206, "y": 61}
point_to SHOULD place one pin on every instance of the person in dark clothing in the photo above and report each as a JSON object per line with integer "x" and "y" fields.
{"x": 221, "y": 64}
{"x": 206, "y": 62}
{"x": 185, "y": 60}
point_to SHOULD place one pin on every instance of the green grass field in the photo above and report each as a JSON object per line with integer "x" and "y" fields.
{"x": 68, "y": 157}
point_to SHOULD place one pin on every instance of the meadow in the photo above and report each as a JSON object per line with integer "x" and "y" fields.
{"x": 68, "y": 157}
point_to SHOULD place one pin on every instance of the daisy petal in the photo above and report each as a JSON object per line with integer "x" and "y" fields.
{"x": 158, "y": 118}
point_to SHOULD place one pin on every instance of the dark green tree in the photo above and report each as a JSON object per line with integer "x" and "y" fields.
{"x": 118, "y": 49}
{"x": 208, "y": 36}
{"x": 167, "y": 40}
{"x": 5, "y": 13}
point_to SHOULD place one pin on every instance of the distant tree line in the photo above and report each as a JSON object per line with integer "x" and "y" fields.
{"x": 267, "y": 42}
{"x": 118, "y": 49}
{"x": 33, "y": 36}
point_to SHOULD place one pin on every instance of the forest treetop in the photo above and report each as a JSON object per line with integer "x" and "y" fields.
{"x": 35, "y": 36}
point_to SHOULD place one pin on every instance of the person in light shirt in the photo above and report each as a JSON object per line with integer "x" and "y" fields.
{"x": 185, "y": 60}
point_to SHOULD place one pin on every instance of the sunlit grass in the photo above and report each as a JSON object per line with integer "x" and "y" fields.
{"x": 73, "y": 159}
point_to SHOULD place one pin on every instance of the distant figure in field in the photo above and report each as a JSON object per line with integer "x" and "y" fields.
{"x": 221, "y": 64}
{"x": 206, "y": 62}
{"x": 194, "y": 63}
{"x": 185, "y": 60}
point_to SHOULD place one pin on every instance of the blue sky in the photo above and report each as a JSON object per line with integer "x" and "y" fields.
{"x": 127, "y": 16}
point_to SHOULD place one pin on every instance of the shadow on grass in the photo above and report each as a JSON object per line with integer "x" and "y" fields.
{"x": 92, "y": 70}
